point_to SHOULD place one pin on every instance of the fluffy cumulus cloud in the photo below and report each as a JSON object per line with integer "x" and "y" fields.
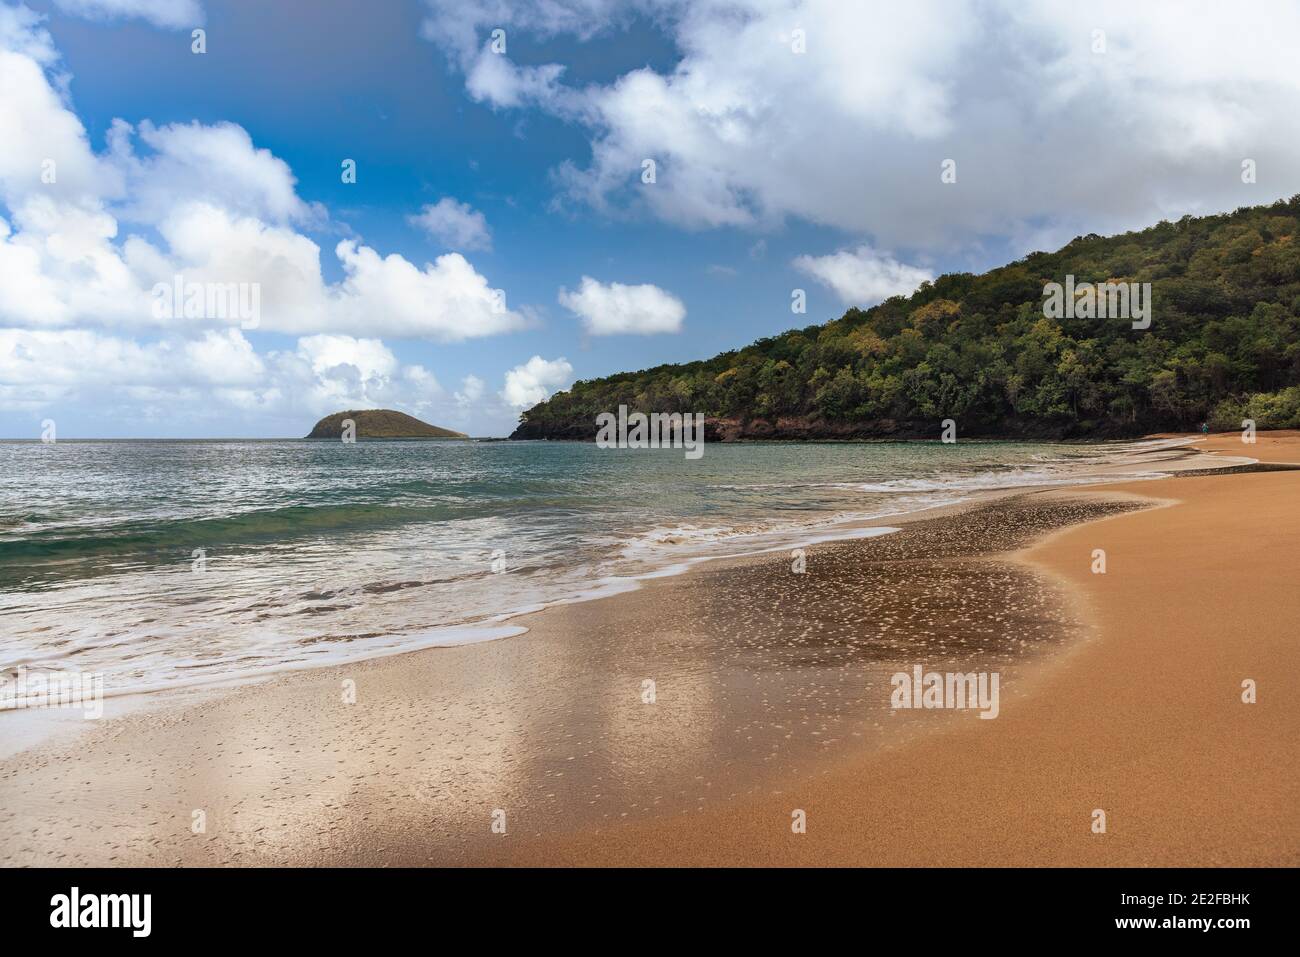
{"x": 92, "y": 242}
{"x": 89, "y": 236}
{"x": 862, "y": 276}
{"x": 180, "y": 161}
{"x": 535, "y": 380}
{"x": 226, "y": 212}
{"x": 41, "y": 365}
{"x": 609, "y": 309}
{"x": 1054, "y": 129}
{"x": 171, "y": 14}
{"x": 217, "y": 373}
{"x": 453, "y": 224}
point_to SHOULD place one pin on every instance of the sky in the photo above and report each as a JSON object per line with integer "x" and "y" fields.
{"x": 458, "y": 207}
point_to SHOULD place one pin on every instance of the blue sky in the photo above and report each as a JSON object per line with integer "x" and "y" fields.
{"x": 777, "y": 168}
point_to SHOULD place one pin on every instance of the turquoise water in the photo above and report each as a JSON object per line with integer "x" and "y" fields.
{"x": 160, "y": 564}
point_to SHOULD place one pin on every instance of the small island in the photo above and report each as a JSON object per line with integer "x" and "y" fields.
{"x": 380, "y": 424}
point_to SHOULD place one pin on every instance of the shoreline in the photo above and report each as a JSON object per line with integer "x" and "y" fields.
{"x": 392, "y": 741}
{"x": 30, "y": 728}
{"x": 742, "y": 704}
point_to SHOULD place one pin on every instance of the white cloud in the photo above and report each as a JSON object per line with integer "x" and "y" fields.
{"x": 35, "y": 127}
{"x": 863, "y": 276}
{"x": 471, "y": 390}
{"x": 612, "y": 308}
{"x": 74, "y": 359}
{"x": 357, "y": 373}
{"x": 446, "y": 300}
{"x": 217, "y": 165}
{"x": 368, "y": 358}
{"x": 172, "y": 14}
{"x": 215, "y": 382}
{"x": 464, "y": 27}
{"x": 225, "y": 210}
{"x": 456, "y": 225}
{"x": 20, "y": 33}
{"x": 1050, "y": 138}
{"x": 535, "y": 380}
{"x": 498, "y": 81}
{"x": 217, "y": 371}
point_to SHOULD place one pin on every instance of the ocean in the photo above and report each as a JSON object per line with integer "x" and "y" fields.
{"x": 166, "y": 564}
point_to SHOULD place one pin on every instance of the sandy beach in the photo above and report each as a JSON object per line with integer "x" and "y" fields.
{"x": 686, "y": 722}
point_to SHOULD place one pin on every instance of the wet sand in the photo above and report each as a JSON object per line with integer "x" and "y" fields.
{"x": 770, "y": 694}
{"x": 1145, "y": 722}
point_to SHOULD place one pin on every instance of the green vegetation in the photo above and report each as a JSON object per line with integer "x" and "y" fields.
{"x": 1223, "y": 345}
{"x": 380, "y": 424}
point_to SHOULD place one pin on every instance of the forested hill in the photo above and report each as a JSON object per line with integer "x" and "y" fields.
{"x": 1223, "y": 345}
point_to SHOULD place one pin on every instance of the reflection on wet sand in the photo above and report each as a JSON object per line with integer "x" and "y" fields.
{"x": 758, "y": 674}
